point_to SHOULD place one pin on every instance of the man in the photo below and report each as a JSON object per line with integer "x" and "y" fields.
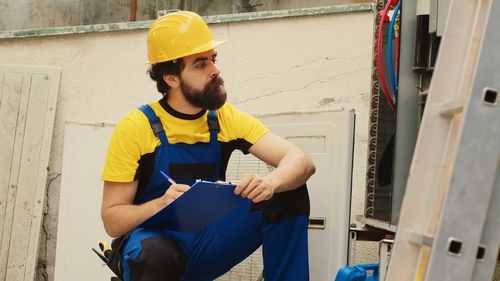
{"x": 190, "y": 134}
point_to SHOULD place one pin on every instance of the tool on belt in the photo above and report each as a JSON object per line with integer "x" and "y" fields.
{"x": 111, "y": 257}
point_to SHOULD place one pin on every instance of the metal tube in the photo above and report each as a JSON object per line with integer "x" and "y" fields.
{"x": 133, "y": 10}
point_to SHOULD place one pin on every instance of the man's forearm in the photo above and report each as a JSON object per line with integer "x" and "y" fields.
{"x": 292, "y": 172}
{"x": 120, "y": 219}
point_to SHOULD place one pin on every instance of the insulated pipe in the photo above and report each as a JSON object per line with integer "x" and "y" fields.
{"x": 390, "y": 64}
{"x": 383, "y": 19}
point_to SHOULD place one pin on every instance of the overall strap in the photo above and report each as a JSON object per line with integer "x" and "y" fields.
{"x": 213, "y": 126}
{"x": 155, "y": 123}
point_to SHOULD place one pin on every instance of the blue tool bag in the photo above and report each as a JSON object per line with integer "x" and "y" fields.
{"x": 359, "y": 272}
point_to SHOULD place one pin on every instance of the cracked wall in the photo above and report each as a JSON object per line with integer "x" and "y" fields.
{"x": 44, "y": 254}
{"x": 310, "y": 62}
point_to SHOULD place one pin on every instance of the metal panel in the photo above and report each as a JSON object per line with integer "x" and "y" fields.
{"x": 27, "y": 111}
{"x": 433, "y": 16}
{"x": 407, "y": 113}
{"x": 423, "y": 7}
{"x": 443, "y": 7}
{"x": 439, "y": 10}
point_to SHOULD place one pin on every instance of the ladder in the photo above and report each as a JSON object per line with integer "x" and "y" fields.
{"x": 449, "y": 228}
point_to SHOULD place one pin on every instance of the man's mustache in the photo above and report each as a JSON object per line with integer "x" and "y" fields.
{"x": 217, "y": 80}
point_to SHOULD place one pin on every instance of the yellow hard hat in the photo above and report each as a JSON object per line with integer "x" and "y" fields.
{"x": 177, "y": 35}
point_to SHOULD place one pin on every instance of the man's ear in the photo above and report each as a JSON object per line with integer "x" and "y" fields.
{"x": 171, "y": 80}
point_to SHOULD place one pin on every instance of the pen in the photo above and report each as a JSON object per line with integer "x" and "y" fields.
{"x": 170, "y": 180}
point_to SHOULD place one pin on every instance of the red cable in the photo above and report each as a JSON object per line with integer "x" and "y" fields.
{"x": 383, "y": 19}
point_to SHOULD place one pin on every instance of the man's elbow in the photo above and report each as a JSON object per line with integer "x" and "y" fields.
{"x": 108, "y": 225}
{"x": 109, "y": 230}
{"x": 112, "y": 231}
{"x": 312, "y": 168}
{"x": 309, "y": 166}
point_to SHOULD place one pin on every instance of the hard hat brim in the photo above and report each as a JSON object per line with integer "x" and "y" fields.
{"x": 200, "y": 49}
{"x": 207, "y": 47}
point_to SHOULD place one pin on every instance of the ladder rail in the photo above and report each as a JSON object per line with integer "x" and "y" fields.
{"x": 432, "y": 140}
{"x": 448, "y": 143}
{"x": 463, "y": 217}
{"x": 485, "y": 267}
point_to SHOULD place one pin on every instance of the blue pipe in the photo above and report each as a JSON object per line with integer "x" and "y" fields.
{"x": 389, "y": 51}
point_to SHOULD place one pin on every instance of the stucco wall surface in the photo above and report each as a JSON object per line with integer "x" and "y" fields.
{"x": 310, "y": 62}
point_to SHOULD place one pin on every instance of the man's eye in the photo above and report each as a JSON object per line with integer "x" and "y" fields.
{"x": 201, "y": 64}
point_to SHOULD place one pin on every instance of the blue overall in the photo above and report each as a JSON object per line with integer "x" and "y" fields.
{"x": 215, "y": 250}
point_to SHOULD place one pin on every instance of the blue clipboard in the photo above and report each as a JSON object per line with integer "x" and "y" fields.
{"x": 203, "y": 204}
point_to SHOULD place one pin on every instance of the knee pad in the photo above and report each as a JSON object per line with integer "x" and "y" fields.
{"x": 284, "y": 205}
{"x": 161, "y": 259}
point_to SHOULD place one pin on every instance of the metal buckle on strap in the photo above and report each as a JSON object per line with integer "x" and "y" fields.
{"x": 213, "y": 124}
{"x": 157, "y": 127}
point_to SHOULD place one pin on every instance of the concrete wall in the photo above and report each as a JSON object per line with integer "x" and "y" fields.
{"x": 24, "y": 14}
{"x": 308, "y": 62}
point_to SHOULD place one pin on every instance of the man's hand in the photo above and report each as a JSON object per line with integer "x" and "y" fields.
{"x": 174, "y": 192}
{"x": 255, "y": 188}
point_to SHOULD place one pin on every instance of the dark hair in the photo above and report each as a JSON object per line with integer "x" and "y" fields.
{"x": 156, "y": 72}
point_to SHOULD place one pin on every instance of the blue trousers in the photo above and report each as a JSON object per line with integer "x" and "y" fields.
{"x": 171, "y": 255}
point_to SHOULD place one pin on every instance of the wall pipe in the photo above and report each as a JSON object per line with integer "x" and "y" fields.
{"x": 133, "y": 10}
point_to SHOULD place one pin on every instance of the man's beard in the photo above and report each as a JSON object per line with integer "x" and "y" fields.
{"x": 211, "y": 97}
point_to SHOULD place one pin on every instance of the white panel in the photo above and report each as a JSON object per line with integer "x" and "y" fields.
{"x": 9, "y": 108}
{"x": 80, "y": 227}
{"x": 27, "y": 112}
{"x": 327, "y": 136}
{"x": 423, "y": 7}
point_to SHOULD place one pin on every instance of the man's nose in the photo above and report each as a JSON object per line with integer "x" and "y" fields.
{"x": 214, "y": 71}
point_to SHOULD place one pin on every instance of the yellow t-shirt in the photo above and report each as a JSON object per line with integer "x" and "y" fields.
{"x": 130, "y": 154}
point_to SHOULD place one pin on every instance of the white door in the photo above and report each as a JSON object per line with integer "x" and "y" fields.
{"x": 79, "y": 226}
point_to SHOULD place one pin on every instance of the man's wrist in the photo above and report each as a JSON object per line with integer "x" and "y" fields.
{"x": 161, "y": 203}
{"x": 272, "y": 183}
